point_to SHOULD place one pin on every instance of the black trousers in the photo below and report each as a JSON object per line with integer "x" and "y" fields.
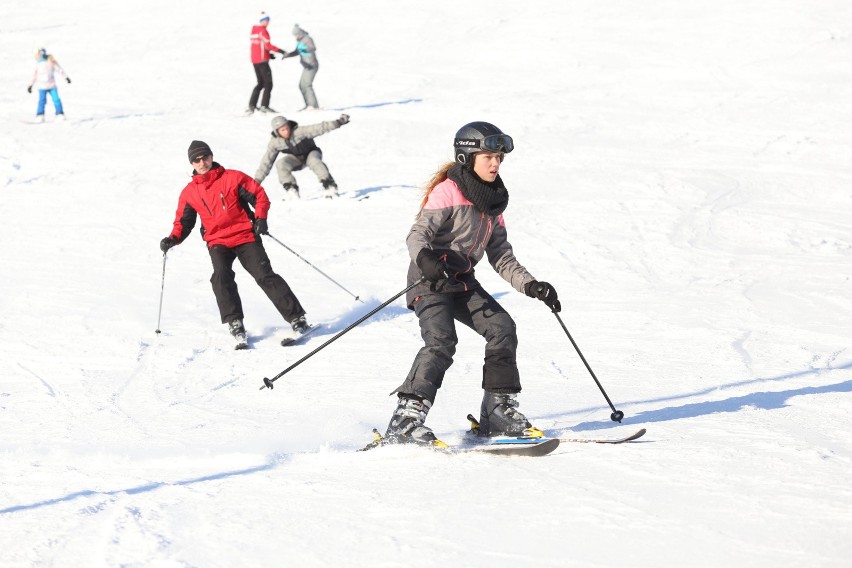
{"x": 479, "y": 311}
{"x": 264, "y": 83}
{"x": 254, "y": 259}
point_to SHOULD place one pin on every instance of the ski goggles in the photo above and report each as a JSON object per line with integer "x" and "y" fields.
{"x": 494, "y": 143}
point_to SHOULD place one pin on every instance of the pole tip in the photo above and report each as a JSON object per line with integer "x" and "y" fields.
{"x": 617, "y": 416}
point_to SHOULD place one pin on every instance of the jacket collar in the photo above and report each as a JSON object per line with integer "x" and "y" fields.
{"x": 215, "y": 173}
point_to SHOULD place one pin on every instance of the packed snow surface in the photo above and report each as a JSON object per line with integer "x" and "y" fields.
{"x": 682, "y": 176}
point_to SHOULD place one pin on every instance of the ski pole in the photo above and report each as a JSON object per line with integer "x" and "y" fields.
{"x": 314, "y": 267}
{"x": 267, "y": 383}
{"x": 162, "y": 288}
{"x": 616, "y": 415}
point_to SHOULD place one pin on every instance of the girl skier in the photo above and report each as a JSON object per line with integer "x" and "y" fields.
{"x": 44, "y": 80}
{"x": 460, "y": 221}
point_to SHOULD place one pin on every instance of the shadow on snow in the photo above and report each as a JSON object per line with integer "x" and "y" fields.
{"x": 274, "y": 462}
{"x": 767, "y": 400}
{"x": 376, "y": 105}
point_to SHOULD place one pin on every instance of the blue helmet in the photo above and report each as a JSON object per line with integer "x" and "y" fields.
{"x": 479, "y": 137}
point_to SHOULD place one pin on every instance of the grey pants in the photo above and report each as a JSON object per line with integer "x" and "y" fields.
{"x": 479, "y": 311}
{"x": 289, "y": 163}
{"x": 306, "y": 85}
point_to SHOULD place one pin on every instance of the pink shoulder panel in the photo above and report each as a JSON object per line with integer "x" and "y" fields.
{"x": 446, "y": 194}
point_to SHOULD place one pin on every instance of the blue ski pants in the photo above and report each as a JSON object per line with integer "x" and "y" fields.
{"x": 42, "y": 99}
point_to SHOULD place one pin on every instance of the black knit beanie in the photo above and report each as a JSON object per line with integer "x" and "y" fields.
{"x": 198, "y": 149}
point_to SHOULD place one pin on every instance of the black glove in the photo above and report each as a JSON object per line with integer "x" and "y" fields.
{"x": 167, "y": 243}
{"x": 271, "y": 55}
{"x": 431, "y": 265}
{"x": 544, "y": 292}
{"x": 344, "y": 119}
{"x": 30, "y": 89}
{"x": 260, "y": 227}
{"x": 68, "y": 80}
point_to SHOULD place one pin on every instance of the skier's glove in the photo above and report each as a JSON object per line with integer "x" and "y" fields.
{"x": 431, "y": 265}
{"x": 271, "y": 55}
{"x": 167, "y": 243}
{"x": 344, "y": 119}
{"x": 30, "y": 89}
{"x": 260, "y": 227}
{"x": 68, "y": 80}
{"x": 544, "y": 292}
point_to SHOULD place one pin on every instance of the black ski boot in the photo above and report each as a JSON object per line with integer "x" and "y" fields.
{"x": 291, "y": 191}
{"x": 329, "y": 187}
{"x": 406, "y": 425}
{"x": 499, "y": 416}
{"x": 239, "y": 332}
{"x": 300, "y": 325}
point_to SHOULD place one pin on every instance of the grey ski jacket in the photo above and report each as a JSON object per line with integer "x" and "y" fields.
{"x": 450, "y": 225}
{"x": 300, "y": 144}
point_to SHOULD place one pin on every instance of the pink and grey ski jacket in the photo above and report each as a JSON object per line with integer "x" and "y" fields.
{"x": 450, "y": 225}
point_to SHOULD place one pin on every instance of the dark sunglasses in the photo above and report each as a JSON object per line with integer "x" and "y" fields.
{"x": 201, "y": 158}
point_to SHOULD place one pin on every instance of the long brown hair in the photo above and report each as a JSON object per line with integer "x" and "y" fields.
{"x": 436, "y": 178}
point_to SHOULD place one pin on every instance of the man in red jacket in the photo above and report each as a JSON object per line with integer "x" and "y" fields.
{"x": 233, "y": 209}
{"x": 261, "y": 53}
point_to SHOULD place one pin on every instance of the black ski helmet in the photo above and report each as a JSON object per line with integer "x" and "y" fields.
{"x": 479, "y": 137}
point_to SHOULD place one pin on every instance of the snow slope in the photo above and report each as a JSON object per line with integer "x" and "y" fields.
{"x": 681, "y": 175}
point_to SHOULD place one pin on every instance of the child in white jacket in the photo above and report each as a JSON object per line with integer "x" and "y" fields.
{"x": 44, "y": 80}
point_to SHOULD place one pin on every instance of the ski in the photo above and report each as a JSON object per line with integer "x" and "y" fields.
{"x": 528, "y": 447}
{"x": 302, "y": 337}
{"x": 634, "y": 436}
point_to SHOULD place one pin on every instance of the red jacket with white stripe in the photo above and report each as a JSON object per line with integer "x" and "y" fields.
{"x": 261, "y": 44}
{"x": 224, "y": 200}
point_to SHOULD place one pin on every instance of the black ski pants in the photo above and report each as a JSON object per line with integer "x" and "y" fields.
{"x": 254, "y": 259}
{"x": 480, "y": 312}
{"x": 264, "y": 83}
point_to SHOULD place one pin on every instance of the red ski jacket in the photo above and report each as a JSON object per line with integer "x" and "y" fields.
{"x": 224, "y": 200}
{"x": 261, "y": 45}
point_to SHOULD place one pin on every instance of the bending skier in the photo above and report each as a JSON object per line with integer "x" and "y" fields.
{"x": 299, "y": 149}
{"x": 460, "y": 221}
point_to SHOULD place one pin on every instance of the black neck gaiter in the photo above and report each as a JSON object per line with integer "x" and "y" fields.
{"x": 489, "y": 198}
